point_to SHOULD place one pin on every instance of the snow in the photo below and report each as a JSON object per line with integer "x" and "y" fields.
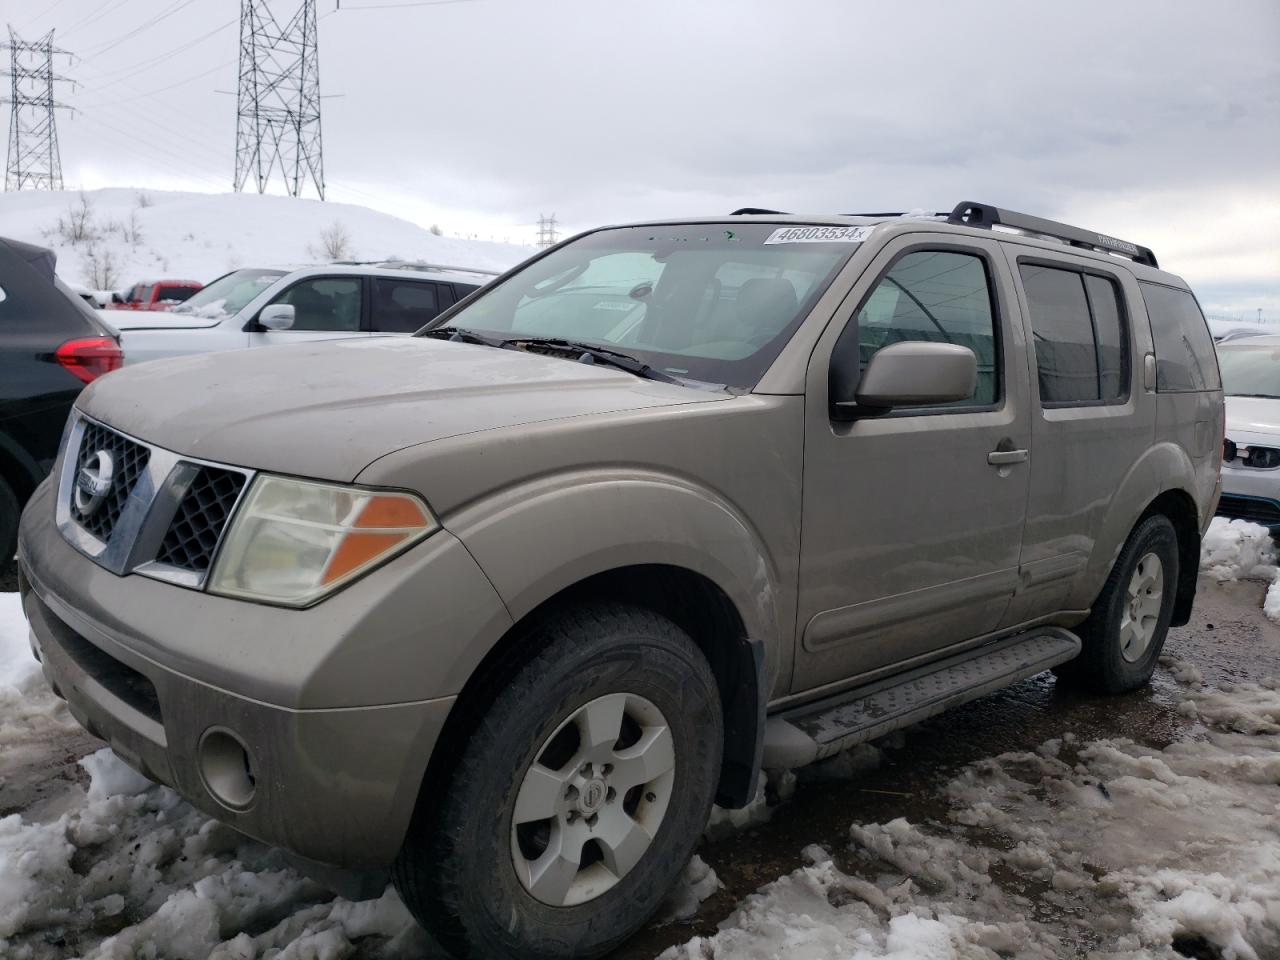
{"x": 204, "y": 235}
{"x": 1240, "y": 550}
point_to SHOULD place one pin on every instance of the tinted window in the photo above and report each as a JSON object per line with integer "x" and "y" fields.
{"x": 403, "y": 306}
{"x": 460, "y": 290}
{"x": 1184, "y": 350}
{"x": 1066, "y": 355}
{"x": 930, "y": 295}
{"x": 1104, "y": 301}
{"x": 324, "y": 303}
{"x": 176, "y": 294}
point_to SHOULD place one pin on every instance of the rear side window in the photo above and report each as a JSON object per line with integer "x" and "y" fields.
{"x": 1185, "y": 358}
{"x": 1079, "y": 335}
{"x": 403, "y": 306}
{"x": 176, "y": 294}
{"x": 932, "y": 295}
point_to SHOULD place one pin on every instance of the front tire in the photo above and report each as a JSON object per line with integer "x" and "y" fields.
{"x": 1126, "y": 630}
{"x": 579, "y": 797}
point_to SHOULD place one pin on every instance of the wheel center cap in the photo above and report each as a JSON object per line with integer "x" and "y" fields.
{"x": 591, "y": 796}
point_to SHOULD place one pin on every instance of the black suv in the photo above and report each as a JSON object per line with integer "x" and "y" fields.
{"x": 51, "y": 345}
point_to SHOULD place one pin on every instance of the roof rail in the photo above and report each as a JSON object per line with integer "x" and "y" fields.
{"x": 971, "y": 214}
{"x": 748, "y": 211}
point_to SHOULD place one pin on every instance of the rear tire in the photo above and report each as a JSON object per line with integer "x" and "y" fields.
{"x": 9, "y": 513}
{"x": 1127, "y": 627}
{"x": 489, "y": 875}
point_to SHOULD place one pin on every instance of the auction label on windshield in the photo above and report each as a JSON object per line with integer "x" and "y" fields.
{"x": 819, "y": 235}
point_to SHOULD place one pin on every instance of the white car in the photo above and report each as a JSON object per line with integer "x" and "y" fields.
{"x": 260, "y": 307}
{"x": 1251, "y": 449}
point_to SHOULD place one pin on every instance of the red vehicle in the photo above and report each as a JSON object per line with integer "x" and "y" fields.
{"x": 155, "y": 295}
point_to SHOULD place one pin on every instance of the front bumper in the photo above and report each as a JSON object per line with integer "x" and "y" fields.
{"x": 335, "y": 785}
{"x": 1250, "y": 494}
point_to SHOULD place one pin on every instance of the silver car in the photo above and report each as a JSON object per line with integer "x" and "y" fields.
{"x": 263, "y": 307}
{"x": 504, "y": 607}
{"x": 1251, "y": 447}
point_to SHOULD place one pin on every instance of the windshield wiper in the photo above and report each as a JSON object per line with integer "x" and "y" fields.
{"x": 460, "y": 335}
{"x": 589, "y": 353}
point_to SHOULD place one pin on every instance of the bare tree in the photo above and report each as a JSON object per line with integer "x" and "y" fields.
{"x": 335, "y": 243}
{"x": 144, "y": 200}
{"x": 435, "y": 228}
{"x": 103, "y": 271}
{"x": 78, "y": 226}
{"x": 132, "y": 231}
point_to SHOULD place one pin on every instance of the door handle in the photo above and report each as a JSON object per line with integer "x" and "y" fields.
{"x": 999, "y": 458}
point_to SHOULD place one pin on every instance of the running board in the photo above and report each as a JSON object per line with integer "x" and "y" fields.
{"x": 815, "y": 731}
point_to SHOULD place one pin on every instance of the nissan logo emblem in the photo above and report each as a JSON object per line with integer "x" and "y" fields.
{"x": 93, "y": 482}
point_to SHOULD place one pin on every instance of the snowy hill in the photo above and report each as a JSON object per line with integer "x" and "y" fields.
{"x": 109, "y": 239}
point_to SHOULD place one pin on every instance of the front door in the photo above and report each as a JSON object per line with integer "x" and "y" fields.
{"x": 324, "y": 308}
{"x": 912, "y": 521}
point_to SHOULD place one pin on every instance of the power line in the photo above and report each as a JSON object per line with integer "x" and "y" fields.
{"x": 547, "y": 235}
{"x": 99, "y": 49}
{"x": 133, "y": 69}
{"x": 34, "y": 161}
{"x": 278, "y": 99}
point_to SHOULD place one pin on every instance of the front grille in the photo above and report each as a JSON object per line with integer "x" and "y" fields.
{"x": 1253, "y": 509}
{"x": 128, "y": 460}
{"x": 197, "y": 526}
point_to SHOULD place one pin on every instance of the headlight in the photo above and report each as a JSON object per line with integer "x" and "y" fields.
{"x": 294, "y": 541}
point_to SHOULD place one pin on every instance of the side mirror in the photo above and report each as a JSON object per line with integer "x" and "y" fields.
{"x": 277, "y": 316}
{"x": 913, "y": 373}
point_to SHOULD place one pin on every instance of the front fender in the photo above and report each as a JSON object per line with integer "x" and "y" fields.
{"x": 542, "y": 536}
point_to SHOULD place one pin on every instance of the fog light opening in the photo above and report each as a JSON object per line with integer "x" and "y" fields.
{"x": 227, "y": 769}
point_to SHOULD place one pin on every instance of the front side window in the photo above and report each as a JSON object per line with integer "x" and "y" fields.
{"x": 329, "y": 304}
{"x": 1080, "y": 342}
{"x": 931, "y": 295}
{"x": 403, "y": 306}
{"x": 1185, "y": 357}
{"x": 707, "y": 302}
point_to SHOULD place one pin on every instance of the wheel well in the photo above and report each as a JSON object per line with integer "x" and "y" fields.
{"x": 1181, "y": 511}
{"x": 16, "y": 476}
{"x": 688, "y": 599}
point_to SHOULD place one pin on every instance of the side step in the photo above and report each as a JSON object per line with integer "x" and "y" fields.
{"x": 814, "y": 731}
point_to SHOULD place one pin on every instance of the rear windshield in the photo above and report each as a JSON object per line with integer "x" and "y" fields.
{"x": 1250, "y": 371}
{"x": 229, "y": 294}
{"x": 707, "y": 302}
{"x": 1185, "y": 358}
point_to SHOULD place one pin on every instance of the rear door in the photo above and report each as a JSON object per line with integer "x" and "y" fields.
{"x": 402, "y": 306}
{"x": 1088, "y": 424}
{"x": 911, "y": 528}
{"x": 326, "y": 307}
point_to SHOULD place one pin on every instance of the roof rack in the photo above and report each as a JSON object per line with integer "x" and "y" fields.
{"x": 984, "y": 215}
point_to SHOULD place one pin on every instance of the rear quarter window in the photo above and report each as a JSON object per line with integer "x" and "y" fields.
{"x": 1185, "y": 358}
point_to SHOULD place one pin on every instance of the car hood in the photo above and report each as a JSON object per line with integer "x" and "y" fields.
{"x": 127, "y": 320}
{"x": 328, "y": 409}
{"x": 1253, "y": 418}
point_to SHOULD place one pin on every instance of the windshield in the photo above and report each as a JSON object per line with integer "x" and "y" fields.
{"x": 230, "y": 293}
{"x": 1250, "y": 371}
{"x": 708, "y": 302}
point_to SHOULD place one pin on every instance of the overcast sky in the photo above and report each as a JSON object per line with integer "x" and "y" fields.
{"x": 1158, "y": 122}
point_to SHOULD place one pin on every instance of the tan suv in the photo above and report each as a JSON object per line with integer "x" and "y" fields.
{"x": 505, "y": 606}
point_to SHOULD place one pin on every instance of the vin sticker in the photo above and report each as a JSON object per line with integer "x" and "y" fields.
{"x": 819, "y": 235}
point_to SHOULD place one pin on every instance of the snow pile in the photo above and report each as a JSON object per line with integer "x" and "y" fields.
{"x": 1238, "y": 549}
{"x": 1107, "y": 847}
{"x": 17, "y": 665}
{"x": 696, "y": 883}
{"x": 153, "y": 234}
